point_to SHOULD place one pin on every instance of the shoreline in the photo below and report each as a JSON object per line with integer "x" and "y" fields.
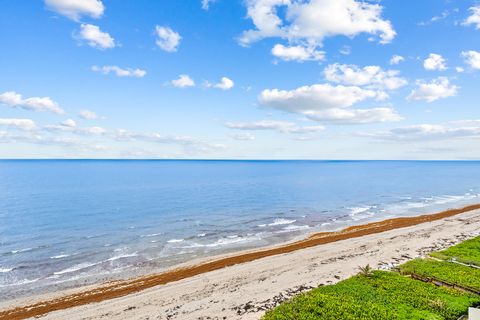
{"x": 123, "y": 288}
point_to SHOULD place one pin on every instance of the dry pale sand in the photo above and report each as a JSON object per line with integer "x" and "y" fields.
{"x": 244, "y": 291}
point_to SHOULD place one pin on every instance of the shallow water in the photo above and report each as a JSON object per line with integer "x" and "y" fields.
{"x": 65, "y": 223}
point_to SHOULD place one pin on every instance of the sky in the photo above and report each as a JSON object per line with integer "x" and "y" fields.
{"x": 240, "y": 79}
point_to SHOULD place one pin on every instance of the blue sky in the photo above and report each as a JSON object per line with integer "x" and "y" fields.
{"x": 246, "y": 79}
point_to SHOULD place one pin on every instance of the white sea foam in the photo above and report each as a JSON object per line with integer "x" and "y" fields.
{"x": 292, "y": 228}
{"x": 175, "y": 240}
{"x": 356, "y": 210}
{"x": 229, "y": 240}
{"x": 21, "y": 250}
{"x": 60, "y": 256}
{"x": 121, "y": 256}
{"x": 5, "y": 270}
{"x": 232, "y": 240}
{"x": 151, "y": 235}
{"x": 431, "y": 201}
{"x": 74, "y": 268}
{"x": 278, "y": 222}
{"x": 19, "y": 283}
{"x": 200, "y": 235}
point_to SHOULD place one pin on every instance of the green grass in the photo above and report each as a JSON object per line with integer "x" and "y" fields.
{"x": 465, "y": 252}
{"x": 383, "y": 295}
{"x": 451, "y": 273}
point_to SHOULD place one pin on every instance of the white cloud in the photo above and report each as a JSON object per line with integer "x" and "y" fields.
{"x": 309, "y": 99}
{"x": 75, "y": 9}
{"x": 88, "y": 115}
{"x": 357, "y": 116}
{"x": 314, "y": 20}
{"x": 183, "y": 81}
{"x": 370, "y": 76}
{"x": 449, "y": 130}
{"x": 206, "y": 4}
{"x": 13, "y": 99}
{"x": 69, "y": 123}
{"x": 297, "y": 53}
{"x": 345, "y": 50}
{"x": 396, "y": 59}
{"x": 168, "y": 40}
{"x": 224, "y": 84}
{"x": 472, "y": 58}
{"x": 324, "y": 102}
{"x": 435, "y": 62}
{"x": 244, "y": 136}
{"x": 71, "y": 126}
{"x": 190, "y": 143}
{"x": 21, "y": 124}
{"x": 437, "y": 18}
{"x": 474, "y": 19}
{"x": 438, "y": 88}
{"x": 64, "y": 142}
{"x": 119, "y": 72}
{"x": 95, "y": 37}
{"x": 280, "y": 126}
{"x": 459, "y": 69}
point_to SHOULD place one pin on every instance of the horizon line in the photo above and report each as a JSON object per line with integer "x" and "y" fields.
{"x": 230, "y": 159}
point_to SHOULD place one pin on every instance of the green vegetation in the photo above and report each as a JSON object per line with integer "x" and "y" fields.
{"x": 366, "y": 271}
{"x": 380, "y": 295}
{"x": 466, "y": 252}
{"x": 451, "y": 273}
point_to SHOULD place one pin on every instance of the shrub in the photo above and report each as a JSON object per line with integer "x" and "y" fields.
{"x": 448, "y": 272}
{"x": 383, "y": 295}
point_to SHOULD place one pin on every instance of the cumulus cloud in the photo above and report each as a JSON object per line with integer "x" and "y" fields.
{"x": 69, "y": 123}
{"x": 224, "y": 84}
{"x": 88, "y": 115}
{"x": 449, "y": 130}
{"x": 435, "y": 62}
{"x": 436, "y": 89}
{"x": 370, "y": 76}
{"x": 325, "y": 102}
{"x": 20, "y": 124}
{"x": 119, "y": 72}
{"x": 474, "y": 18}
{"x": 95, "y": 37}
{"x": 183, "y": 81}
{"x": 309, "y": 99}
{"x": 472, "y": 59}
{"x": 75, "y": 9}
{"x": 312, "y": 21}
{"x": 167, "y": 39}
{"x": 297, "y": 53}
{"x": 13, "y": 99}
{"x": 396, "y": 59}
{"x": 280, "y": 126}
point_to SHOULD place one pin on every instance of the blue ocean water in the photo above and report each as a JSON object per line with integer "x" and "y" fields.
{"x": 65, "y": 223}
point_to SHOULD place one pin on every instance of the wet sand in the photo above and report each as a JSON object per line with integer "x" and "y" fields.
{"x": 243, "y": 285}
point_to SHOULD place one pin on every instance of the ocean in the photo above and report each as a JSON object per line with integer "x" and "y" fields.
{"x": 66, "y": 223}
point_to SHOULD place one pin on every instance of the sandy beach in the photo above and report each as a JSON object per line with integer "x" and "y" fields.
{"x": 244, "y": 285}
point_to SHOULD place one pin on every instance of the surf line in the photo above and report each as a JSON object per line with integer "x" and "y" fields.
{"x": 122, "y": 288}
